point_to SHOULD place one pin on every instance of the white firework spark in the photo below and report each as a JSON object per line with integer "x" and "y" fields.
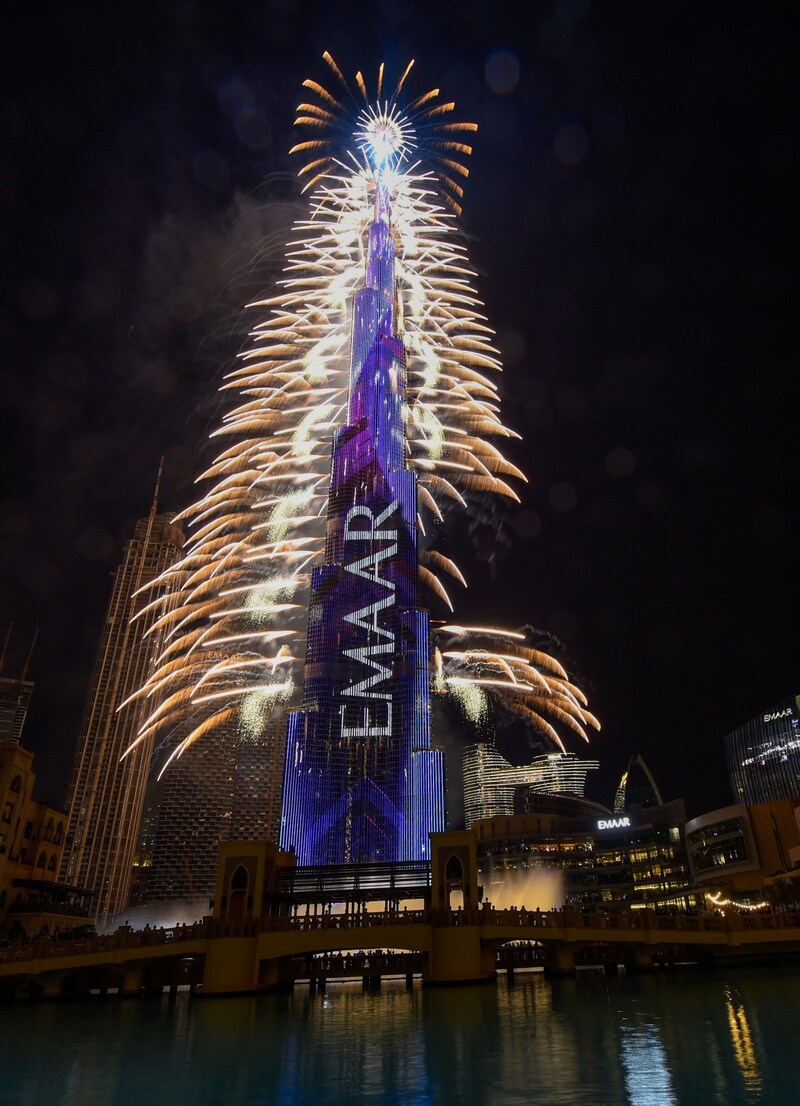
{"x": 526, "y": 680}
{"x": 233, "y": 624}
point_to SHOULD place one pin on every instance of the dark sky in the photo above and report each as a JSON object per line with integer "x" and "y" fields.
{"x": 632, "y": 214}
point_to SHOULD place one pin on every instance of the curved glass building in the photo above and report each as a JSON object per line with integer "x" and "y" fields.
{"x": 763, "y": 755}
{"x": 493, "y": 786}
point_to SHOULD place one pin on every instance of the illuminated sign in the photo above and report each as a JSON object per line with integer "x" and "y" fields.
{"x": 374, "y": 719}
{"x": 613, "y": 823}
{"x": 778, "y": 714}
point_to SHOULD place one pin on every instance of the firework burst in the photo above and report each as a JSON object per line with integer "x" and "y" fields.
{"x": 473, "y": 663}
{"x": 234, "y": 621}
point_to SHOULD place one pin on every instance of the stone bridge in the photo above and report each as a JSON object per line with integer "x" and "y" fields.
{"x": 445, "y": 946}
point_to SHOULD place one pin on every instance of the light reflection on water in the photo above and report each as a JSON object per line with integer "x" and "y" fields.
{"x": 682, "y": 1039}
{"x": 647, "y": 1076}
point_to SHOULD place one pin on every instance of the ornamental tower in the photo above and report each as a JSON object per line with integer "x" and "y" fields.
{"x": 362, "y": 781}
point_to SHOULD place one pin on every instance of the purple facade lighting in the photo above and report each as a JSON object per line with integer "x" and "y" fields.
{"x": 362, "y": 781}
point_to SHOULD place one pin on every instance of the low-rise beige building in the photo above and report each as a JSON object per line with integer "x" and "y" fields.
{"x": 31, "y": 843}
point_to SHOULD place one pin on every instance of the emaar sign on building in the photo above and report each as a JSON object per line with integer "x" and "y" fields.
{"x": 613, "y": 823}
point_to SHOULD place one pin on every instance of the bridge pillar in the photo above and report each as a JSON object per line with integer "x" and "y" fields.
{"x": 231, "y": 966}
{"x": 132, "y": 982}
{"x": 560, "y": 959}
{"x": 457, "y": 956}
{"x": 52, "y": 985}
{"x": 643, "y": 957}
{"x": 275, "y": 974}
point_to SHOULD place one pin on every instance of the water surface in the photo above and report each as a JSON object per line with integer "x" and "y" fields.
{"x": 684, "y": 1038}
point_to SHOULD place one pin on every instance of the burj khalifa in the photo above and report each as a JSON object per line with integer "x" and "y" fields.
{"x": 362, "y": 782}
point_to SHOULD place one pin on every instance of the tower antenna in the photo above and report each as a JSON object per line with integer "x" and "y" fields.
{"x": 30, "y": 654}
{"x": 5, "y": 645}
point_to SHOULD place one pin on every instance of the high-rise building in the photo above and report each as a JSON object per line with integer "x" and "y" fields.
{"x": 228, "y": 789}
{"x": 491, "y": 783}
{"x": 637, "y": 789}
{"x": 362, "y": 781}
{"x": 763, "y": 755}
{"x": 106, "y": 793}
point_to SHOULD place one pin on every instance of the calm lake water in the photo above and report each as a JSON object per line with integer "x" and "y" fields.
{"x": 686, "y": 1038}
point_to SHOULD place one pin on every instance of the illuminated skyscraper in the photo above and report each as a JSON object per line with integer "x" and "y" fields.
{"x": 491, "y": 782}
{"x": 764, "y": 755}
{"x": 362, "y": 781}
{"x": 106, "y": 793}
{"x": 364, "y": 409}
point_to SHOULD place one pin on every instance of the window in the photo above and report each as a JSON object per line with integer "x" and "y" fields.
{"x": 40, "y": 863}
{"x": 16, "y": 785}
{"x": 51, "y": 864}
{"x": 28, "y": 829}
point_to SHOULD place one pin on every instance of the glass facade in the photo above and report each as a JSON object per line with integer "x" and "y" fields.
{"x": 764, "y": 755}
{"x": 741, "y": 848}
{"x": 228, "y": 789}
{"x": 720, "y": 844}
{"x": 600, "y": 861}
{"x": 362, "y": 782}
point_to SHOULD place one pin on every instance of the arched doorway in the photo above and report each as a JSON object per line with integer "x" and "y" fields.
{"x": 237, "y": 898}
{"x": 454, "y": 883}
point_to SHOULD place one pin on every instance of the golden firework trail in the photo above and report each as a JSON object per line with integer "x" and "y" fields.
{"x": 232, "y": 613}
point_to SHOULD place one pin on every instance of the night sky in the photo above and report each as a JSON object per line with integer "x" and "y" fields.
{"x": 632, "y": 213}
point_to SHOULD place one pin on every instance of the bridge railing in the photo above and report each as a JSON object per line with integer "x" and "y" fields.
{"x": 306, "y": 922}
{"x": 638, "y": 920}
{"x": 42, "y": 948}
{"x": 527, "y": 921}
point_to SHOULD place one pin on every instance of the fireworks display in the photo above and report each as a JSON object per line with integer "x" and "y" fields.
{"x": 231, "y": 620}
